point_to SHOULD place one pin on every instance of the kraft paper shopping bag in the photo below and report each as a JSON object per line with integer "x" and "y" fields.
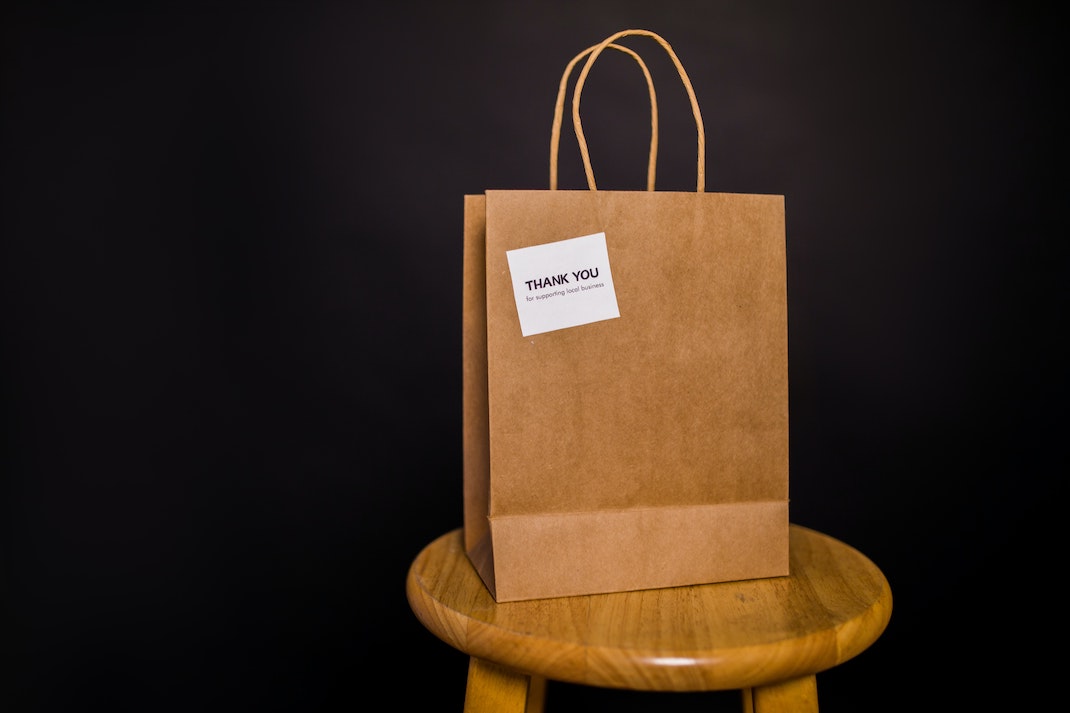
{"x": 625, "y": 371}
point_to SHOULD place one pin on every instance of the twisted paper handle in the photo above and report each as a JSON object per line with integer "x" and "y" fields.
{"x": 559, "y": 109}
{"x": 591, "y": 57}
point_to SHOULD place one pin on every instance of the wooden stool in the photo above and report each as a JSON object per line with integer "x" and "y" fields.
{"x": 766, "y": 637}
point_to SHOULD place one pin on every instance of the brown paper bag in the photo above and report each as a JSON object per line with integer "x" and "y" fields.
{"x": 632, "y": 433}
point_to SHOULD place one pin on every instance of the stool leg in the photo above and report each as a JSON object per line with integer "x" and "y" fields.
{"x": 796, "y": 695}
{"x": 536, "y": 694}
{"x": 495, "y": 689}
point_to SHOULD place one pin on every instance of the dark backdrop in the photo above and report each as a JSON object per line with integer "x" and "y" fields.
{"x": 231, "y": 266}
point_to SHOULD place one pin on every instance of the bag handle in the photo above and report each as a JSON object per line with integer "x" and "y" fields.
{"x": 701, "y": 172}
{"x": 559, "y": 109}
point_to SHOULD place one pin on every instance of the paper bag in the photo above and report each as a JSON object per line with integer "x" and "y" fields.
{"x": 625, "y": 381}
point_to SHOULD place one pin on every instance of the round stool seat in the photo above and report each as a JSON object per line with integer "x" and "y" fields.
{"x": 734, "y": 635}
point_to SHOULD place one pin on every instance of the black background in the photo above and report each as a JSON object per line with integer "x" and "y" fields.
{"x": 231, "y": 267}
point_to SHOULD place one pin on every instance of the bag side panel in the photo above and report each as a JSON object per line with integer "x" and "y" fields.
{"x": 476, "y": 433}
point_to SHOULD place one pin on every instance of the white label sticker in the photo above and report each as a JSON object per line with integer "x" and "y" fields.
{"x": 562, "y": 284}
